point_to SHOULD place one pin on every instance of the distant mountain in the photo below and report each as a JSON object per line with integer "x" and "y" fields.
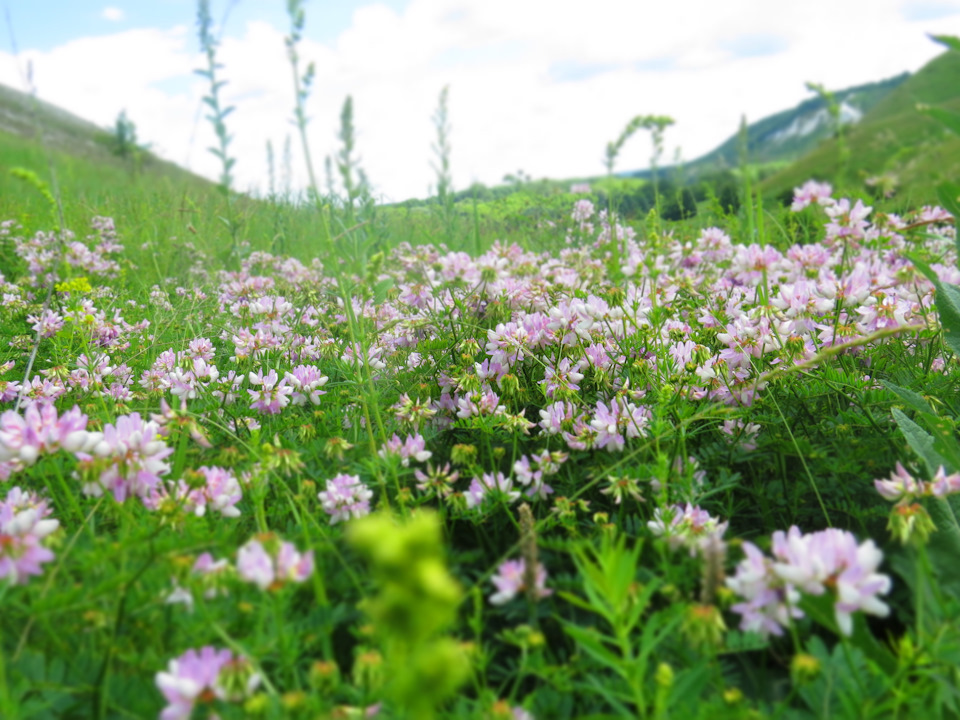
{"x": 788, "y": 135}
{"x": 893, "y": 145}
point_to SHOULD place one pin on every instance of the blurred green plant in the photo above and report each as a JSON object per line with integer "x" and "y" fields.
{"x": 416, "y": 603}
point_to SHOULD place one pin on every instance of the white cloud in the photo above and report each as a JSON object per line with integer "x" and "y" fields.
{"x": 539, "y": 85}
{"x": 113, "y": 14}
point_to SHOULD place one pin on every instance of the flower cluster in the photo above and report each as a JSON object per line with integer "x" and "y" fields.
{"x": 206, "y": 487}
{"x": 413, "y": 447}
{"x": 903, "y": 488}
{"x": 491, "y": 485}
{"x": 206, "y": 574}
{"x": 204, "y": 676}
{"x": 829, "y": 560}
{"x": 531, "y": 471}
{"x": 24, "y": 523}
{"x": 510, "y": 579}
{"x": 688, "y": 526}
{"x": 24, "y": 438}
{"x": 127, "y": 459}
{"x": 345, "y": 497}
{"x": 269, "y": 562}
{"x": 273, "y": 393}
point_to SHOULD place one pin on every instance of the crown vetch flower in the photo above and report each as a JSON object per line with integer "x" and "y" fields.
{"x": 345, "y": 497}
{"x": 273, "y": 394}
{"x": 202, "y": 676}
{"x": 269, "y": 562}
{"x": 208, "y": 487}
{"x": 24, "y": 524}
{"x": 23, "y": 438}
{"x": 509, "y": 581}
{"x": 829, "y": 560}
{"x": 687, "y": 525}
{"x": 135, "y": 455}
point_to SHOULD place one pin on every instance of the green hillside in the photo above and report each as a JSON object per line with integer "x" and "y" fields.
{"x": 159, "y": 206}
{"x": 37, "y": 136}
{"x": 893, "y": 139}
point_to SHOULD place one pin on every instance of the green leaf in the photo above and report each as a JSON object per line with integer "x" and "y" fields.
{"x": 948, "y": 304}
{"x": 912, "y": 399}
{"x": 592, "y": 641}
{"x": 948, "y": 193}
{"x": 381, "y": 289}
{"x": 943, "y": 547}
{"x": 820, "y": 609}
{"x": 919, "y": 440}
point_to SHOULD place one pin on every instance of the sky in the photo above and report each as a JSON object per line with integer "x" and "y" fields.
{"x": 538, "y": 86}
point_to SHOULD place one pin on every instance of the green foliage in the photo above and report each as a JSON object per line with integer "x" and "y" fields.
{"x": 43, "y": 189}
{"x": 218, "y": 114}
{"x": 416, "y": 603}
{"x": 124, "y": 138}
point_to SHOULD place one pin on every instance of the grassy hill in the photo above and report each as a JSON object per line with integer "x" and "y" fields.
{"x": 892, "y": 139}
{"x": 788, "y": 135}
{"x": 90, "y": 176}
{"x": 157, "y": 204}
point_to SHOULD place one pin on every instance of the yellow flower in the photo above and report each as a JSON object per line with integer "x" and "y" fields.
{"x": 74, "y": 285}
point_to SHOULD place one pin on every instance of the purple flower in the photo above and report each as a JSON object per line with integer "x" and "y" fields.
{"x": 134, "y": 453}
{"x": 23, "y": 527}
{"x": 198, "y": 677}
{"x": 345, "y": 497}
{"x": 212, "y": 487}
{"x": 832, "y": 558}
{"x": 768, "y": 606}
{"x": 829, "y": 560}
{"x": 436, "y": 481}
{"x": 255, "y": 565}
{"x": 274, "y": 394}
{"x": 509, "y": 580}
{"x": 306, "y": 381}
{"x": 23, "y": 438}
{"x": 810, "y": 192}
{"x": 847, "y": 223}
{"x": 901, "y": 485}
{"x": 269, "y": 562}
{"x": 497, "y": 482}
{"x": 208, "y": 574}
{"x": 688, "y": 525}
{"x": 943, "y": 484}
{"x": 619, "y": 419}
{"x": 414, "y": 446}
{"x": 530, "y": 472}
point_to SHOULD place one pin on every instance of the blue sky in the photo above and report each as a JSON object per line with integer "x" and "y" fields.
{"x": 45, "y": 24}
{"x": 537, "y": 85}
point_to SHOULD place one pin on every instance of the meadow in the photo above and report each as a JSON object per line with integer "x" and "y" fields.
{"x": 313, "y": 457}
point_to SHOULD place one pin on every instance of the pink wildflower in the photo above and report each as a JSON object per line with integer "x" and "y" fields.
{"x": 345, "y": 497}
{"x": 274, "y": 394}
{"x": 199, "y": 677}
{"x": 134, "y": 455}
{"x": 811, "y": 192}
{"x": 829, "y": 560}
{"x": 509, "y": 580}
{"x": 269, "y": 563}
{"x": 24, "y": 524}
